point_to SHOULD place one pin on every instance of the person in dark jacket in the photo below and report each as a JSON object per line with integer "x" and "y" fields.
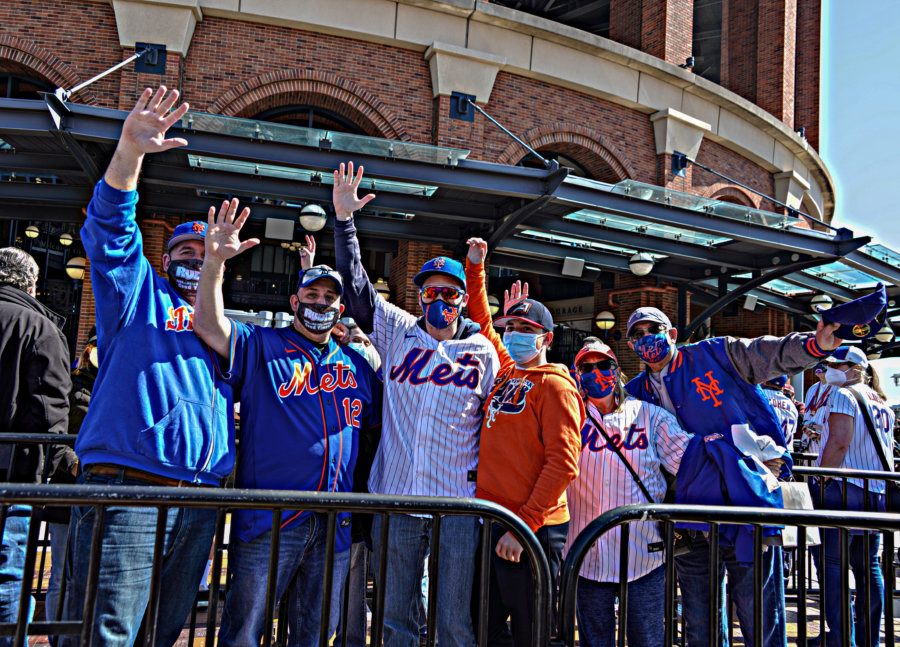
{"x": 34, "y": 390}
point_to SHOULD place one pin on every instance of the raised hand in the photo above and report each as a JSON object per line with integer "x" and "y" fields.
{"x": 477, "y": 250}
{"x": 344, "y": 194}
{"x": 825, "y": 336}
{"x": 308, "y": 253}
{"x": 223, "y": 231}
{"x": 516, "y": 293}
{"x": 144, "y": 130}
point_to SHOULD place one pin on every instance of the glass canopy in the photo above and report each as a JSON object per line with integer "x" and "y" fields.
{"x": 651, "y": 229}
{"x": 285, "y": 133}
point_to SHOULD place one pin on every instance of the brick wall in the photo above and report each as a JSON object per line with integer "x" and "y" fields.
{"x": 806, "y": 79}
{"x": 776, "y": 57}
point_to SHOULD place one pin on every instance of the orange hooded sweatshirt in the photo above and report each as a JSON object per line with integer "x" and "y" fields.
{"x": 531, "y": 434}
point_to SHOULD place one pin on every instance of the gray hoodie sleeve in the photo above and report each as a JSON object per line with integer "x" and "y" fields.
{"x": 359, "y": 294}
{"x": 761, "y": 359}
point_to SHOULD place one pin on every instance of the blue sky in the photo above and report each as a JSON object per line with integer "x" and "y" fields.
{"x": 860, "y": 124}
{"x": 860, "y": 114}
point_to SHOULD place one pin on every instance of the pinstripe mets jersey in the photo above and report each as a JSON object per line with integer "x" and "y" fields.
{"x": 815, "y": 416}
{"x": 649, "y": 437}
{"x": 785, "y": 411}
{"x": 433, "y": 394}
{"x": 862, "y": 455}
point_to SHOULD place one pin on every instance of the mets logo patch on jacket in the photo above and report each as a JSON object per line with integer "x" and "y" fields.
{"x": 508, "y": 398}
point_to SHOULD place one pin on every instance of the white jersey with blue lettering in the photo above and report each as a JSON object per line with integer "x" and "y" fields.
{"x": 785, "y": 411}
{"x": 815, "y": 415}
{"x": 649, "y": 437}
{"x": 433, "y": 397}
{"x": 861, "y": 454}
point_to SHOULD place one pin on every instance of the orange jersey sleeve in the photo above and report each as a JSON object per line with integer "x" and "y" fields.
{"x": 480, "y": 312}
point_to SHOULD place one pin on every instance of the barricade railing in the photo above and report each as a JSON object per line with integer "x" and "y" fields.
{"x": 100, "y": 498}
{"x": 716, "y": 516}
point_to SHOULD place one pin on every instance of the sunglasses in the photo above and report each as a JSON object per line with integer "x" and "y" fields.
{"x": 317, "y": 272}
{"x": 442, "y": 292}
{"x": 590, "y": 367}
{"x": 652, "y": 329}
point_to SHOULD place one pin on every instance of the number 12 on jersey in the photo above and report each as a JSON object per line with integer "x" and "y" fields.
{"x": 352, "y": 409}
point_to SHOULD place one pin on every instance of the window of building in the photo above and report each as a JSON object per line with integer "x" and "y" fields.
{"x": 18, "y": 86}
{"x": 707, "y": 47}
{"x": 591, "y": 16}
{"x": 310, "y": 117}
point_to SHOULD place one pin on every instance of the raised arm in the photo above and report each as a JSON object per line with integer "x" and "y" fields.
{"x": 478, "y": 306}
{"x": 222, "y": 242}
{"x": 359, "y": 295}
{"x": 763, "y": 358}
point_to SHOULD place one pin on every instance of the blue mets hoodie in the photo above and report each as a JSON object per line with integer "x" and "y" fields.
{"x": 159, "y": 404}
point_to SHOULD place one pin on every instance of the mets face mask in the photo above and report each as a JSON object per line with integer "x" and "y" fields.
{"x": 652, "y": 348}
{"x": 184, "y": 275}
{"x": 440, "y": 314}
{"x": 318, "y": 317}
{"x": 598, "y": 384}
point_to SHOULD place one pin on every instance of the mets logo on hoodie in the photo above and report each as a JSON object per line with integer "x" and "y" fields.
{"x": 509, "y": 398}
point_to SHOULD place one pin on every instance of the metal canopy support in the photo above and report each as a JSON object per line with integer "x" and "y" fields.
{"x": 729, "y": 297}
{"x": 873, "y": 266}
{"x": 520, "y": 215}
{"x": 820, "y": 285}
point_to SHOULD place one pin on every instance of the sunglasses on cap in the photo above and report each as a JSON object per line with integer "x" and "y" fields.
{"x": 590, "y": 367}
{"x": 318, "y": 272}
{"x": 443, "y": 292}
{"x": 652, "y": 329}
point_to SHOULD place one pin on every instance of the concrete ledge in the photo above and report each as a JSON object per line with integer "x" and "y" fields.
{"x": 676, "y": 131}
{"x": 790, "y": 188}
{"x": 168, "y": 22}
{"x": 459, "y": 69}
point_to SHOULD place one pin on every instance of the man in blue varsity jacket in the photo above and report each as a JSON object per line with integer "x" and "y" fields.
{"x": 710, "y": 386}
{"x": 309, "y": 408}
{"x": 160, "y": 415}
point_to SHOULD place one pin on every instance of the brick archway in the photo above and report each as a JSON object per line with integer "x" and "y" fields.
{"x": 320, "y": 89}
{"x": 730, "y": 193}
{"x": 588, "y": 147}
{"x": 20, "y": 56}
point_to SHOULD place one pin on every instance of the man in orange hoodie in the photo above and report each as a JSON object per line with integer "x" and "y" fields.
{"x": 530, "y": 442}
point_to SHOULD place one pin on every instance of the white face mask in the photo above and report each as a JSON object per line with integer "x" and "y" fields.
{"x": 93, "y": 357}
{"x": 835, "y": 377}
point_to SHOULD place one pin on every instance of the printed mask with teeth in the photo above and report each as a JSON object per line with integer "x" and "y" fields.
{"x": 184, "y": 275}
{"x": 318, "y": 317}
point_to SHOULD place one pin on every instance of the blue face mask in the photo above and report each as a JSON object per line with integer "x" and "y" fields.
{"x": 521, "y": 346}
{"x": 440, "y": 314}
{"x": 359, "y": 348}
{"x": 598, "y": 384}
{"x": 652, "y": 348}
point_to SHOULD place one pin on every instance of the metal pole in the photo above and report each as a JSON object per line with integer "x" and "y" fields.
{"x": 65, "y": 94}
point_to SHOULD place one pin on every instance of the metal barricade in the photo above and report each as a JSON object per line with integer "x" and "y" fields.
{"x": 716, "y": 516}
{"x": 163, "y": 498}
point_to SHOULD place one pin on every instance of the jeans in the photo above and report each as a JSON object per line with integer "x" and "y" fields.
{"x": 863, "y": 562}
{"x": 693, "y": 578}
{"x": 409, "y": 540}
{"x": 355, "y": 590}
{"x": 123, "y": 585}
{"x": 512, "y": 588}
{"x": 12, "y": 564}
{"x": 596, "y": 611}
{"x": 59, "y": 535}
{"x": 300, "y": 568}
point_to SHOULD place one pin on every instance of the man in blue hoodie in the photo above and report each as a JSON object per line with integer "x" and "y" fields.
{"x": 160, "y": 414}
{"x": 710, "y": 386}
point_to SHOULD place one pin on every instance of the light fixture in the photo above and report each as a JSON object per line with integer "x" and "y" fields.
{"x": 312, "y": 217}
{"x": 382, "y": 288}
{"x": 32, "y": 232}
{"x": 65, "y": 239}
{"x": 641, "y": 264}
{"x": 873, "y": 355}
{"x": 688, "y": 63}
{"x": 820, "y": 300}
{"x": 75, "y": 267}
{"x": 886, "y": 333}
{"x": 493, "y": 305}
{"x": 605, "y": 320}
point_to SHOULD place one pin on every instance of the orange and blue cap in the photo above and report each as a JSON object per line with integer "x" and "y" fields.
{"x": 194, "y": 230}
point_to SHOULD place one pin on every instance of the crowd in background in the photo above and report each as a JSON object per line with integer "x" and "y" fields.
{"x": 357, "y": 394}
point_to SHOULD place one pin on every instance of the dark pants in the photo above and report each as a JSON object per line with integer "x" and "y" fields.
{"x": 512, "y": 588}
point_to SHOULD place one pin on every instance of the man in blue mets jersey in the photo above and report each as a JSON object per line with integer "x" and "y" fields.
{"x": 710, "y": 386}
{"x": 310, "y": 409}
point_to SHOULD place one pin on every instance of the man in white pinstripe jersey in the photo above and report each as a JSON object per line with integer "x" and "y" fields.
{"x": 437, "y": 370}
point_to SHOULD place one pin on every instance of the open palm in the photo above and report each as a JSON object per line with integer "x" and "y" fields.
{"x": 223, "y": 231}
{"x": 144, "y": 130}
{"x": 344, "y": 193}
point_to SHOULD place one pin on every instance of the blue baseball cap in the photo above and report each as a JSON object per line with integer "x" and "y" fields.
{"x": 441, "y": 265}
{"x": 194, "y": 230}
{"x": 861, "y": 318}
{"x": 849, "y": 354}
{"x": 313, "y": 274}
{"x": 779, "y": 381}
